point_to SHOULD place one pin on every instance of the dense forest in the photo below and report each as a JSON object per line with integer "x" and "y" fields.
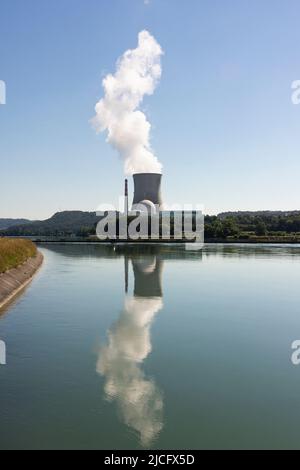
{"x": 264, "y": 225}
{"x": 245, "y": 225}
{"x": 67, "y": 223}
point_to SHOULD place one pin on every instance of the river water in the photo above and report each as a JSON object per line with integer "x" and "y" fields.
{"x": 154, "y": 347}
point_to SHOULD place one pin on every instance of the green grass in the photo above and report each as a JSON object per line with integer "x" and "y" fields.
{"x": 15, "y": 251}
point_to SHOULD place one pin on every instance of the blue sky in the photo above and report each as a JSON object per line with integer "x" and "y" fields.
{"x": 223, "y": 122}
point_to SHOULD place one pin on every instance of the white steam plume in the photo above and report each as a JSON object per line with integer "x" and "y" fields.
{"x": 138, "y": 73}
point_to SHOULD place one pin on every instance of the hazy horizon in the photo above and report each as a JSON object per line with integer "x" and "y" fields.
{"x": 87, "y": 210}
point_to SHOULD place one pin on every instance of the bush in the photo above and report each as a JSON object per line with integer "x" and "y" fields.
{"x": 15, "y": 251}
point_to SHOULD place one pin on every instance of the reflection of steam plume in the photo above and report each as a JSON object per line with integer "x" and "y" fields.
{"x": 138, "y": 72}
{"x": 129, "y": 344}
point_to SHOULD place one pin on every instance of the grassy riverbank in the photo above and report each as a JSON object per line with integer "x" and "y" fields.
{"x": 14, "y": 252}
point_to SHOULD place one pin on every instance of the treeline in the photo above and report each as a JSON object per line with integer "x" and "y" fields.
{"x": 245, "y": 225}
{"x": 230, "y": 225}
{"x": 67, "y": 223}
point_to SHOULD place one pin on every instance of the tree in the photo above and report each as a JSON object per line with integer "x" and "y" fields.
{"x": 260, "y": 228}
{"x": 230, "y": 227}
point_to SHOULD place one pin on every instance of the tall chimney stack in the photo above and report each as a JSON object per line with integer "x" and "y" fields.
{"x": 126, "y": 197}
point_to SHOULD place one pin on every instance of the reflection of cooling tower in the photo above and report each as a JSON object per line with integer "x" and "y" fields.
{"x": 147, "y": 277}
{"x": 147, "y": 188}
{"x": 128, "y": 346}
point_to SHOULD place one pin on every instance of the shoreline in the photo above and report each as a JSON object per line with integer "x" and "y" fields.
{"x": 164, "y": 242}
{"x": 15, "y": 280}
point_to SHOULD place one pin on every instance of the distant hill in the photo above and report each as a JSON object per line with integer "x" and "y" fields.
{"x": 62, "y": 223}
{"x": 237, "y": 225}
{"x": 6, "y": 223}
{"x": 223, "y": 215}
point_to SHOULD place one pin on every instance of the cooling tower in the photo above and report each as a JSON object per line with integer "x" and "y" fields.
{"x": 147, "y": 189}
